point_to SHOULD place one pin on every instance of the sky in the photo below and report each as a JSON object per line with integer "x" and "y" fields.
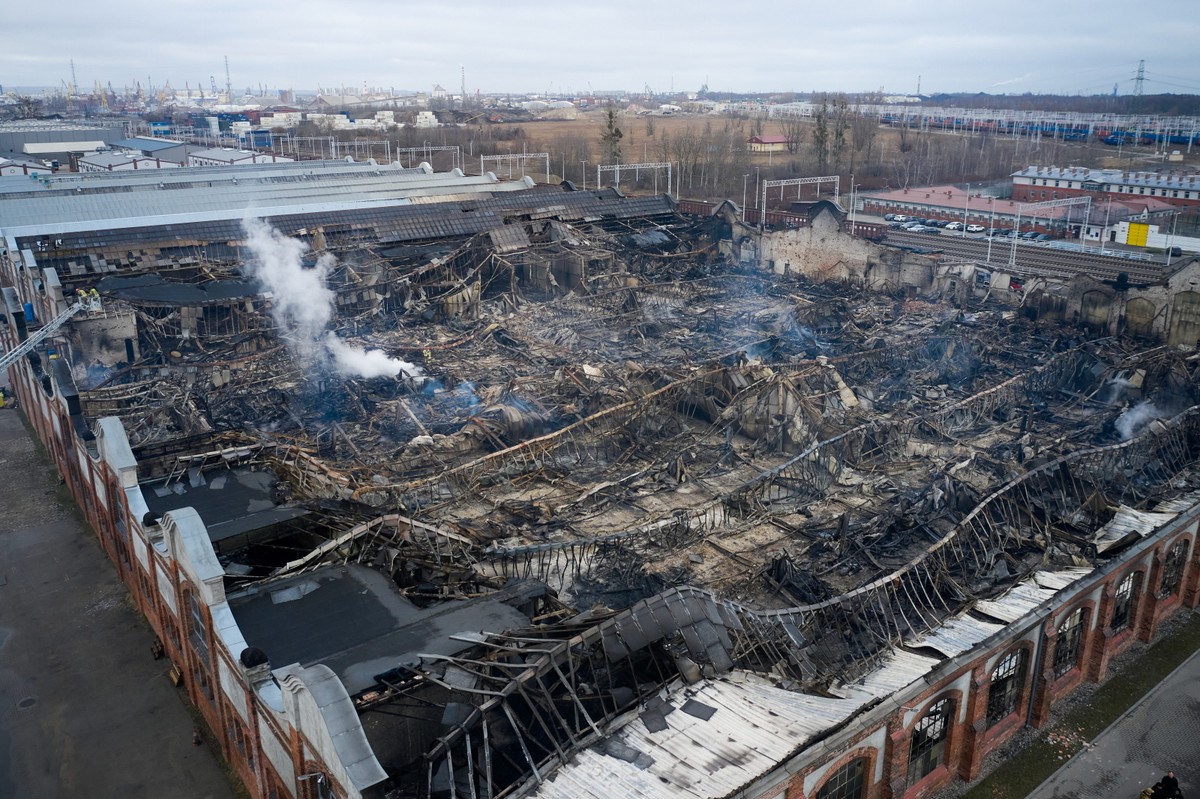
{"x": 571, "y": 48}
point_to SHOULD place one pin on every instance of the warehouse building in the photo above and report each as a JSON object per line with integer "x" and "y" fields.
{"x": 1037, "y": 183}
{"x": 444, "y": 486}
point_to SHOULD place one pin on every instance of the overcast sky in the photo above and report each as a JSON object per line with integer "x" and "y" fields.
{"x": 535, "y": 45}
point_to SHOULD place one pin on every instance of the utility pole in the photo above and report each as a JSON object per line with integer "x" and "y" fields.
{"x": 1140, "y": 80}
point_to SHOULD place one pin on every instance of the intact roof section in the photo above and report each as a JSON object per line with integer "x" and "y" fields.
{"x": 152, "y": 288}
{"x": 108, "y": 159}
{"x": 47, "y": 147}
{"x": 230, "y": 502}
{"x": 1113, "y": 177}
{"x": 147, "y": 144}
{"x": 145, "y": 201}
{"x": 223, "y": 154}
{"x": 387, "y": 223}
{"x": 353, "y": 619}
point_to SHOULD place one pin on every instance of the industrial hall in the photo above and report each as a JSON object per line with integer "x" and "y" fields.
{"x": 437, "y": 486}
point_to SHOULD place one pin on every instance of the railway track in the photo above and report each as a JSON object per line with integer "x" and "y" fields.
{"x": 1031, "y": 258}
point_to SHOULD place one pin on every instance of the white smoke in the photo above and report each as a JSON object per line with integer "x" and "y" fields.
{"x": 1114, "y": 389}
{"x": 302, "y": 306}
{"x": 1132, "y": 420}
{"x": 351, "y": 360}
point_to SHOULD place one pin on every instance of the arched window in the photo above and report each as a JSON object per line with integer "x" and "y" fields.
{"x": 1008, "y": 678}
{"x": 927, "y": 747}
{"x": 1123, "y": 603}
{"x": 1066, "y": 649}
{"x": 848, "y": 782}
{"x": 197, "y": 625}
{"x": 1173, "y": 568}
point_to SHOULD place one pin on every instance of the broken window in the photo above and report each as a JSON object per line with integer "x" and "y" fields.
{"x": 1008, "y": 678}
{"x": 1173, "y": 568}
{"x": 847, "y": 782}
{"x": 929, "y": 736}
{"x": 1066, "y": 650}
{"x": 1123, "y": 603}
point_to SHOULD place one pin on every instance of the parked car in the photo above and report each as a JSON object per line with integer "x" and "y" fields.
{"x": 928, "y": 229}
{"x": 954, "y": 226}
{"x": 975, "y": 228}
{"x": 889, "y": 217}
{"x": 1028, "y": 235}
{"x": 1042, "y": 237}
{"x": 900, "y": 218}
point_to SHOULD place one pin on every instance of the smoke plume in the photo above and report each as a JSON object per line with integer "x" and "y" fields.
{"x": 1132, "y": 420}
{"x": 302, "y": 306}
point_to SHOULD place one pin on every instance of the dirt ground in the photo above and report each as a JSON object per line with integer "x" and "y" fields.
{"x": 939, "y": 156}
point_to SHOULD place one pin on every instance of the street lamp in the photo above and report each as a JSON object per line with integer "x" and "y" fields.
{"x": 1104, "y": 230}
{"x": 1174, "y": 219}
{"x": 991, "y": 230}
{"x": 745, "y": 182}
{"x": 853, "y": 203}
{"x": 966, "y": 205}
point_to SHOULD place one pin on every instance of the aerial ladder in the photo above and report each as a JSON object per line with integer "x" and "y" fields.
{"x": 90, "y": 303}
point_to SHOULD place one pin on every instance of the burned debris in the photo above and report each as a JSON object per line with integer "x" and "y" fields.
{"x": 629, "y": 461}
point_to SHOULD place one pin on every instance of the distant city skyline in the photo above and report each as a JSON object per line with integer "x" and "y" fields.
{"x": 565, "y": 48}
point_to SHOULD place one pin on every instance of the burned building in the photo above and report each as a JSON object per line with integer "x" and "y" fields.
{"x": 438, "y": 486}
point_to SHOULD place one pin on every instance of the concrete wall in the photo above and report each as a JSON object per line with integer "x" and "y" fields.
{"x": 823, "y": 251}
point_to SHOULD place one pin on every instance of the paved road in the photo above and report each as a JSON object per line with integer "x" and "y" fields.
{"x": 1160, "y": 733}
{"x": 85, "y": 712}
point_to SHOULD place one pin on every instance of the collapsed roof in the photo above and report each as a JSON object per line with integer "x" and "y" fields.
{"x": 678, "y": 466}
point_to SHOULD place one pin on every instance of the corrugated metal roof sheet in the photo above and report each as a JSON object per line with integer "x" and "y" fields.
{"x": 509, "y": 238}
{"x": 1178, "y": 504}
{"x": 1014, "y": 603}
{"x": 1059, "y": 579}
{"x": 899, "y": 669}
{"x": 1030, "y": 594}
{"x": 139, "y": 201}
{"x": 51, "y": 147}
{"x": 753, "y": 728}
{"x": 957, "y": 635}
{"x": 147, "y": 145}
{"x": 1127, "y": 524}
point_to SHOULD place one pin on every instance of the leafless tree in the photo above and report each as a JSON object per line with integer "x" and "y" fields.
{"x": 794, "y": 131}
{"x": 864, "y": 128}
{"x": 839, "y": 119}
{"x": 820, "y": 135}
{"x": 27, "y": 107}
